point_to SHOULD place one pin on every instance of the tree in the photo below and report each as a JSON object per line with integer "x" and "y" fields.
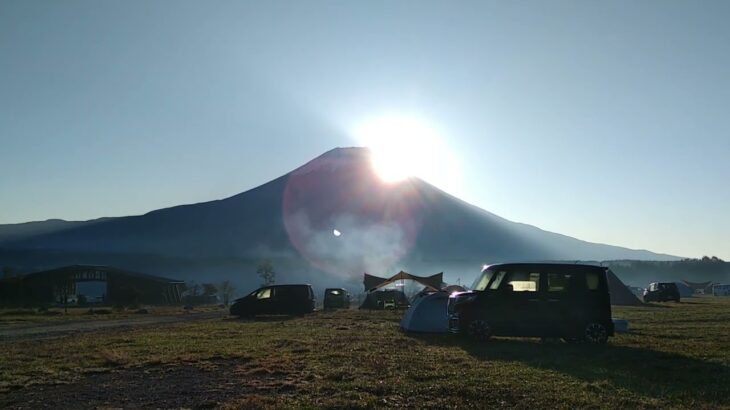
{"x": 192, "y": 288}
{"x": 266, "y": 271}
{"x": 209, "y": 289}
{"x": 8, "y": 272}
{"x": 226, "y": 290}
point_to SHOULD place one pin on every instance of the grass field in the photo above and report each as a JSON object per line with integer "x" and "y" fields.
{"x": 33, "y": 316}
{"x": 676, "y": 356}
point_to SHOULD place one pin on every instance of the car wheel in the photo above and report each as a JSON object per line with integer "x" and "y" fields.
{"x": 480, "y": 330}
{"x": 595, "y": 333}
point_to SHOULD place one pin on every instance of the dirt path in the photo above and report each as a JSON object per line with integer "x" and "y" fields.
{"x": 56, "y": 329}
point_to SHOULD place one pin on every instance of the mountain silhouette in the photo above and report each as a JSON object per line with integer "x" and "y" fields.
{"x": 292, "y": 219}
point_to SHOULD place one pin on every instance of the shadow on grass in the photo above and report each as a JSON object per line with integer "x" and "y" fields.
{"x": 654, "y": 305}
{"x": 263, "y": 318}
{"x": 646, "y": 372}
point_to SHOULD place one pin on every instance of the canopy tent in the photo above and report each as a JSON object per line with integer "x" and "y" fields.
{"x": 385, "y": 299}
{"x": 427, "y": 314}
{"x": 620, "y": 294}
{"x": 374, "y": 282}
{"x": 699, "y": 287}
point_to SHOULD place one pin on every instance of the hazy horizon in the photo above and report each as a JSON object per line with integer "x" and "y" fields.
{"x": 607, "y": 122}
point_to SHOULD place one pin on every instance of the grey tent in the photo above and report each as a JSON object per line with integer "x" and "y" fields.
{"x": 620, "y": 294}
{"x": 427, "y": 314}
{"x": 684, "y": 290}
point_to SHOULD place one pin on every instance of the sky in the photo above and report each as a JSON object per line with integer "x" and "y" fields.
{"x": 606, "y": 121}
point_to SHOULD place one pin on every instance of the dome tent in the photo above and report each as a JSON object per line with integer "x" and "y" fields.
{"x": 427, "y": 314}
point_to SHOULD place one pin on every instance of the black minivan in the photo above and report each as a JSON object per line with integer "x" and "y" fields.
{"x": 661, "y": 292}
{"x": 276, "y": 300}
{"x": 535, "y": 300}
{"x": 335, "y": 298}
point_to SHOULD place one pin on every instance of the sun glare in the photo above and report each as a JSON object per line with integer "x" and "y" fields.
{"x": 402, "y": 147}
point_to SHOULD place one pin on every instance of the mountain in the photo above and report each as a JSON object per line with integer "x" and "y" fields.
{"x": 331, "y": 216}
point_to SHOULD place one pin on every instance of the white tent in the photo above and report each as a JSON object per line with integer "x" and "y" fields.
{"x": 427, "y": 314}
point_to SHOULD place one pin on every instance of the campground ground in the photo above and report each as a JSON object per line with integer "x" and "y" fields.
{"x": 676, "y": 356}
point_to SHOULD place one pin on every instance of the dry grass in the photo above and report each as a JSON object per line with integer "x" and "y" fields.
{"x": 677, "y": 356}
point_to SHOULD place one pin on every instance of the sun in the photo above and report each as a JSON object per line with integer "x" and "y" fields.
{"x": 402, "y": 147}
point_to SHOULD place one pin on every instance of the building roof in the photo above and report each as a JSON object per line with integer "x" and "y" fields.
{"x": 101, "y": 268}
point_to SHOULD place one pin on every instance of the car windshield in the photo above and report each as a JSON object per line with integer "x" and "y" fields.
{"x": 483, "y": 280}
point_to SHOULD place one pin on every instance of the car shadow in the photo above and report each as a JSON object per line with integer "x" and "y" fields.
{"x": 643, "y": 371}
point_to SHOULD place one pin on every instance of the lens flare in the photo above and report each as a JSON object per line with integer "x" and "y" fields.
{"x": 402, "y": 147}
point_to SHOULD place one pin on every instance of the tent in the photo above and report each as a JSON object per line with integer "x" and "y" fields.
{"x": 379, "y": 298}
{"x": 699, "y": 287}
{"x": 384, "y": 299}
{"x": 620, "y": 294}
{"x": 373, "y": 282}
{"x": 427, "y": 314}
{"x": 684, "y": 290}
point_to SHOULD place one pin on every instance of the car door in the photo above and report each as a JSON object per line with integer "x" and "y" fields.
{"x": 522, "y": 303}
{"x": 263, "y": 302}
{"x": 562, "y": 302}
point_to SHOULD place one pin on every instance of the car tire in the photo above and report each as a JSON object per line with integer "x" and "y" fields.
{"x": 595, "y": 333}
{"x": 480, "y": 330}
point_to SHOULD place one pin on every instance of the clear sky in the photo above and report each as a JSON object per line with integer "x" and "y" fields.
{"x": 604, "y": 120}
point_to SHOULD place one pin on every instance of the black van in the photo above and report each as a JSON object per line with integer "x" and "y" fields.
{"x": 535, "y": 300}
{"x": 276, "y": 300}
{"x": 661, "y": 292}
{"x": 335, "y": 298}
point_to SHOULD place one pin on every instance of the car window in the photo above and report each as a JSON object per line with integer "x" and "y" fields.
{"x": 524, "y": 281}
{"x": 264, "y": 294}
{"x": 483, "y": 280}
{"x": 558, "y": 282}
{"x": 592, "y": 280}
{"x": 497, "y": 280}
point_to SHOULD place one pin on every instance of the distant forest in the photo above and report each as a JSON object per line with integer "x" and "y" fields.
{"x": 640, "y": 273}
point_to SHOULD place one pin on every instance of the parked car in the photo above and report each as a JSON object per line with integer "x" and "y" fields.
{"x": 276, "y": 300}
{"x": 661, "y": 292}
{"x": 535, "y": 300}
{"x": 335, "y": 298}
